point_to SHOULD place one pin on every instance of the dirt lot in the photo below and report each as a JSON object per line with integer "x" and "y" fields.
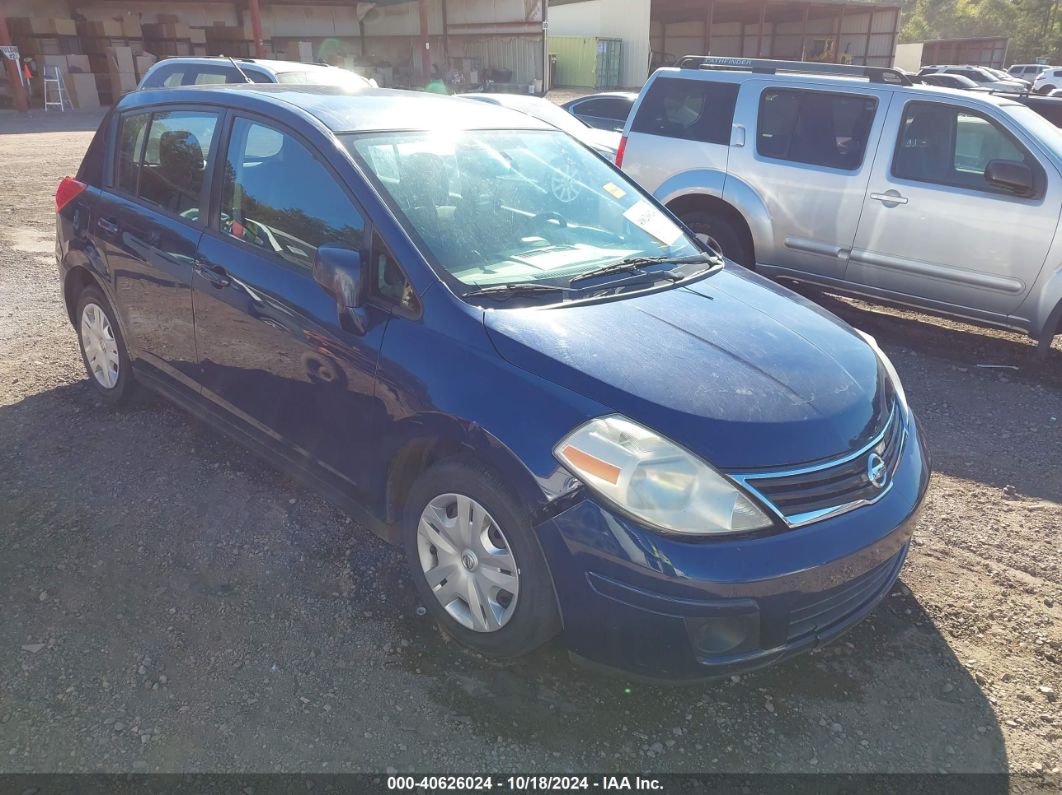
{"x": 171, "y": 603}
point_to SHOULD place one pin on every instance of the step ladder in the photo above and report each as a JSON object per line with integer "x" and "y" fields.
{"x": 55, "y": 94}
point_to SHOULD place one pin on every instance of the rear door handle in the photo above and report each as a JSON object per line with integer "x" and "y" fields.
{"x": 889, "y": 198}
{"x": 107, "y": 225}
{"x": 215, "y": 274}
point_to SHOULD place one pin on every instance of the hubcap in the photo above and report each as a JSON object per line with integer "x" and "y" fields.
{"x": 101, "y": 349}
{"x": 565, "y": 182}
{"x": 467, "y": 562}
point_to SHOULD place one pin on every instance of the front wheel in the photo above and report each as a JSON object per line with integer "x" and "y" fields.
{"x": 475, "y": 561}
{"x": 717, "y": 231}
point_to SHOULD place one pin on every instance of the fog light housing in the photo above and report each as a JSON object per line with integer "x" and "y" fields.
{"x": 724, "y": 635}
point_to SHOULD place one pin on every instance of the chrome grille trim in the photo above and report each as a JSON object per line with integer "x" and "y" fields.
{"x": 889, "y": 443}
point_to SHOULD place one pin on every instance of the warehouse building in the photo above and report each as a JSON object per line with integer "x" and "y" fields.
{"x": 465, "y": 43}
{"x": 655, "y": 33}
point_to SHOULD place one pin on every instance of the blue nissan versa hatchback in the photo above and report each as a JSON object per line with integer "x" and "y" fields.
{"x": 573, "y": 418}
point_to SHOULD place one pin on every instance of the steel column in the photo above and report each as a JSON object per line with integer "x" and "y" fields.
{"x": 256, "y": 27}
{"x": 18, "y": 92}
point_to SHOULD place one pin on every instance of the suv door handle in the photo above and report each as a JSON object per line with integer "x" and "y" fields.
{"x": 106, "y": 225}
{"x": 889, "y": 198}
{"x": 215, "y": 274}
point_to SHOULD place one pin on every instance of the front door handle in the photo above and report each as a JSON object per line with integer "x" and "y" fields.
{"x": 890, "y": 198}
{"x": 215, "y": 274}
{"x": 107, "y": 225}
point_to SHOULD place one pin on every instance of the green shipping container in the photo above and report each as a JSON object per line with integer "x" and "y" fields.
{"x": 587, "y": 62}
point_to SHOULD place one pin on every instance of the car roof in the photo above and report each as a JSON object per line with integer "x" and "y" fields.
{"x": 277, "y": 67}
{"x": 344, "y": 109}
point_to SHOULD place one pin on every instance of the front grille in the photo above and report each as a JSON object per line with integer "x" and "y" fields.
{"x": 825, "y": 610}
{"x": 811, "y": 493}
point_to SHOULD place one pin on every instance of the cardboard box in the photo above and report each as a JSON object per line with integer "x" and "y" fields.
{"x": 32, "y": 26}
{"x": 65, "y": 27}
{"x": 197, "y": 35}
{"x": 301, "y": 51}
{"x": 122, "y": 59}
{"x": 143, "y": 63}
{"x": 112, "y": 86}
{"x": 131, "y": 27}
{"x": 83, "y": 91}
{"x": 78, "y": 64}
{"x": 52, "y": 61}
{"x": 103, "y": 29}
{"x": 166, "y": 30}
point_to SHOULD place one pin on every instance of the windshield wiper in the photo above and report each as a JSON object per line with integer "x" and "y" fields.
{"x": 632, "y": 264}
{"x": 514, "y": 290}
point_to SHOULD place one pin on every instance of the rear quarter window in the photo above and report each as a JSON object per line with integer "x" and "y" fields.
{"x": 694, "y": 110}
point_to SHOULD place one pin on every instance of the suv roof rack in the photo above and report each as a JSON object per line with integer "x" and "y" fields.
{"x": 875, "y": 74}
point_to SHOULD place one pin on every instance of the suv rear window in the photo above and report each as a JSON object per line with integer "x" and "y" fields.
{"x": 695, "y": 110}
{"x": 814, "y": 127}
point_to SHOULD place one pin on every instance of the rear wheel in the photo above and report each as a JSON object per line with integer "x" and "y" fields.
{"x": 1046, "y": 89}
{"x": 718, "y": 232}
{"x": 102, "y": 348}
{"x": 475, "y": 561}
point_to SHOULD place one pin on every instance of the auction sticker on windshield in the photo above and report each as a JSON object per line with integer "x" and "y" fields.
{"x": 652, "y": 221}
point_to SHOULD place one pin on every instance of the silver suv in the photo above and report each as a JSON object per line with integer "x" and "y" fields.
{"x": 853, "y": 178}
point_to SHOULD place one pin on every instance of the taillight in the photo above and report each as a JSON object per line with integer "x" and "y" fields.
{"x": 68, "y": 190}
{"x": 620, "y": 151}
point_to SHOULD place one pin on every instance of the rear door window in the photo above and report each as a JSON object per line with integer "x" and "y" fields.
{"x": 130, "y": 149}
{"x": 176, "y": 152}
{"x": 814, "y": 127}
{"x": 694, "y": 110}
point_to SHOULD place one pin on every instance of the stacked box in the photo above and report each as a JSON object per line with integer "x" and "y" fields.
{"x": 228, "y": 40}
{"x": 301, "y": 51}
{"x": 143, "y": 62}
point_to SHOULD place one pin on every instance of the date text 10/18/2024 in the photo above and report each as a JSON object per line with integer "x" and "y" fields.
{"x": 524, "y": 783}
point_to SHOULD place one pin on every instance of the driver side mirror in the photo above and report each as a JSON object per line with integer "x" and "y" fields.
{"x": 1016, "y": 178}
{"x": 338, "y": 270}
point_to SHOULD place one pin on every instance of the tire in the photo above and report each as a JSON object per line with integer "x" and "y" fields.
{"x": 1045, "y": 90}
{"x": 523, "y": 622}
{"x": 719, "y": 232}
{"x": 103, "y": 350}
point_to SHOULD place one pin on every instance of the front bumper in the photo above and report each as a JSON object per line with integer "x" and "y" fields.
{"x": 668, "y": 607}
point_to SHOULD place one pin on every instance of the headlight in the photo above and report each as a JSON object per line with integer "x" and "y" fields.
{"x": 890, "y": 370}
{"x": 656, "y": 480}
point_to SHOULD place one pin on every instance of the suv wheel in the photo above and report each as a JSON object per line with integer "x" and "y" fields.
{"x": 102, "y": 347}
{"x": 1046, "y": 89}
{"x": 717, "y": 232}
{"x": 476, "y": 563}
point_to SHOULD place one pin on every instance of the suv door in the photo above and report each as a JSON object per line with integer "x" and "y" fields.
{"x": 273, "y": 352}
{"x": 934, "y": 230}
{"x": 809, "y": 165}
{"x": 148, "y": 224}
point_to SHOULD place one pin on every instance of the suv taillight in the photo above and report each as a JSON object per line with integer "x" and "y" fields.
{"x": 68, "y": 190}
{"x": 620, "y": 151}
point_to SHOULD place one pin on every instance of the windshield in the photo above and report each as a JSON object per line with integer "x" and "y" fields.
{"x": 1049, "y": 136}
{"x": 509, "y": 207}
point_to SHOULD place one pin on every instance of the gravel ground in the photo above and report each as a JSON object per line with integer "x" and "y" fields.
{"x": 171, "y": 603}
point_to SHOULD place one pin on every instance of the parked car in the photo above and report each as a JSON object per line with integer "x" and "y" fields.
{"x": 1027, "y": 71}
{"x": 573, "y": 417}
{"x": 1050, "y": 107}
{"x": 603, "y": 141}
{"x": 181, "y": 71}
{"x": 1006, "y": 77}
{"x": 605, "y": 111}
{"x": 1047, "y": 81}
{"x": 942, "y": 80}
{"x": 845, "y": 176}
{"x": 979, "y": 75}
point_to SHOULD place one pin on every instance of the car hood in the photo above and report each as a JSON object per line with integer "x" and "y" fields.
{"x": 738, "y": 370}
{"x": 605, "y": 141}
